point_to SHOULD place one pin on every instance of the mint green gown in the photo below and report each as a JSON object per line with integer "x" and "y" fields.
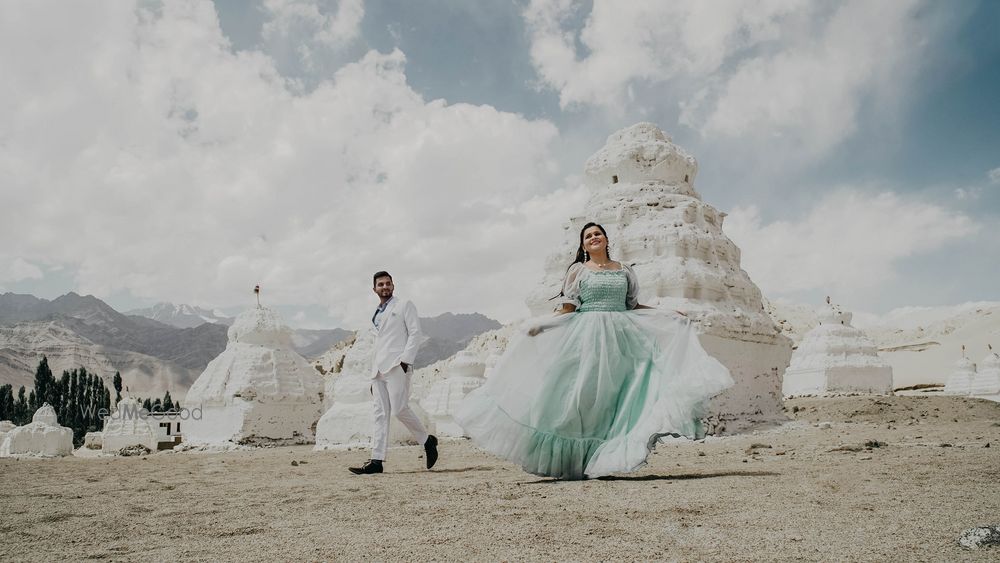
{"x": 593, "y": 393}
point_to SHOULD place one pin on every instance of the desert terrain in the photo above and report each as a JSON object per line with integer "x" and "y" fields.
{"x": 850, "y": 478}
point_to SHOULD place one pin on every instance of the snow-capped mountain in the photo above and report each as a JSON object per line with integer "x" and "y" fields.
{"x": 308, "y": 342}
{"x": 182, "y": 316}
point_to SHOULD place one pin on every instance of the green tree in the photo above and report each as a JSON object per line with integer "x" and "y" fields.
{"x": 7, "y": 402}
{"x": 21, "y": 416}
{"x": 74, "y": 387}
{"x": 87, "y": 403}
{"x": 168, "y": 403}
{"x": 118, "y": 387}
{"x": 62, "y": 397}
{"x": 44, "y": 383}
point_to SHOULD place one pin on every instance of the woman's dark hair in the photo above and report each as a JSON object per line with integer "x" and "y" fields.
{"x": 581, "y": 256}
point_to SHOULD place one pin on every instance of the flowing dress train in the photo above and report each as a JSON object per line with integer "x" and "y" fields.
{"x": 592, "y": 393}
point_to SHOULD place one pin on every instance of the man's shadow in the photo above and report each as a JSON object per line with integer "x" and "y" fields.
{"x": 450, "y": 470}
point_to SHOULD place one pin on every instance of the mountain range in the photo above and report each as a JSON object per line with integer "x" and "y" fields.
{"x": 165, "y": 347}
{"x": 182, "y": 316}
{"x": 74, "y": 330}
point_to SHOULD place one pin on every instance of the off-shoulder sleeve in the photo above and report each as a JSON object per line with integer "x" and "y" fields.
{"x": 571, "y": 286}
{"x": 632, "y": 297}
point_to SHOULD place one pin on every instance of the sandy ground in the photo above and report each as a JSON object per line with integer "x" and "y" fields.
{"x": 804, "y": 491}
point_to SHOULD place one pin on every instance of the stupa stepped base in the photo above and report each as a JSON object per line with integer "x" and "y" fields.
{"x": 38, "y": 440}
{"x": 985, "y": 384}
{"x": 446, "y": 427}
{"x": 756, "y": 367}
{"x": 838, "y": 381}
{"x": 349, "y": 425}
{"x": 957, "y": 386}
{"x": 251, "y": 423}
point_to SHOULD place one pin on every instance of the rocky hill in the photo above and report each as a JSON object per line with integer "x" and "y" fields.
{"x": 75, "y": 330}
{"x": 154, "y": 356}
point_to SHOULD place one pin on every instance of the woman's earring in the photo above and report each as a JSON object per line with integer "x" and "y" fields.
{"x": 586, "y": 256}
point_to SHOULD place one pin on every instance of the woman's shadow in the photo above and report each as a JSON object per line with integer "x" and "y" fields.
{"x": 680, "y": 477}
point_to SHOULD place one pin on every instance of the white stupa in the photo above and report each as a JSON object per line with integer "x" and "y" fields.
{"x": 43, "y": 437}
{"x": 258, "y": 391}
{"x": 5, "y": 427}
{"x": 960, "y": 380}
{"x": 643, "y": 194}
{"x": 463, "y": 373}
{"x": 490, "y": 364}
{"x": 351, "y": 416}
{"x": 835, "y": 358}
{"x": 987, "y": 379}
{"x": 127, "y": 427}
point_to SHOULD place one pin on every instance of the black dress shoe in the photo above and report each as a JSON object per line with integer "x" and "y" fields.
{"x": 372, "y": 466}
{"x": 431, "y": 450}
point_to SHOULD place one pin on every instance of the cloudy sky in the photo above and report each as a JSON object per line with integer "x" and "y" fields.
{"x": 183, "y": 151}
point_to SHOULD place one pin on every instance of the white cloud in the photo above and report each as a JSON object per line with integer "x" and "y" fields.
{"x": 994, "y": 176}
{"x": 18, "y": 269}
{"x": 849, "y": 244}
{"x": 152, "y": 158}
{"x": 336, "y": 29}
{"x": 305, "y": 28}
{"x": 972, "y": 193}
{"x": 785, "y": 72}
{"x": 631, "y": 41}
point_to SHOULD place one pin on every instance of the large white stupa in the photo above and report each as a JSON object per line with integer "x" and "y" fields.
{"x": 642, "y": 187}
{"x": 960, "y": 380}
{"x": 986, "y": 381}
{"x": 835, "y": 358}
{"x": 351, "y": 416}
{"x": 42, "y": 437}
{"x": 127, "y": 427}
{"x": 463, "y": 373}
{"x": 258, "y": 391}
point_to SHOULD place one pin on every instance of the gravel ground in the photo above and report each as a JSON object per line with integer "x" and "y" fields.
{"x": 851, "y": 478}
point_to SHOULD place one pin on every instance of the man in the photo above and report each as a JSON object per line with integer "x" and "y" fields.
{"x": 397, "y": 338}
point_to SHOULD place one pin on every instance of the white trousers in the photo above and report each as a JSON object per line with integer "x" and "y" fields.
{"x": 390, "y": 397}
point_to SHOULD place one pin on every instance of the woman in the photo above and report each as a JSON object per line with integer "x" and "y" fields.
{"x": 589, "y": 391}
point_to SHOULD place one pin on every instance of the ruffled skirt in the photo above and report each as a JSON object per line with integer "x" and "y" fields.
{"x": 593, "y": 393}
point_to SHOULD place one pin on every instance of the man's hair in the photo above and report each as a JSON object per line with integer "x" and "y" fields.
{"x": 380, "y": 274}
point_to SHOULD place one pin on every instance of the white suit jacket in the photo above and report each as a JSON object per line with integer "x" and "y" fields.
{"x": 397, "y": 338}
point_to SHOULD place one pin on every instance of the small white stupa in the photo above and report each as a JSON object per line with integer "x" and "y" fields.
{"x": 5, "y": 427}
{"x": 43, "y": 437}
{"x": 642, "y": 193}
{"x": 987, "y": 379}
{"x": 258, "y": 391}
{"x": 960, "y": 380}
{"x": 463, "y": 374}
{"x": 351, "y": 416}
{"x": 127, "y": 427}
{"x": 490, "y": 363}
{"x": 836, "y": 358}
